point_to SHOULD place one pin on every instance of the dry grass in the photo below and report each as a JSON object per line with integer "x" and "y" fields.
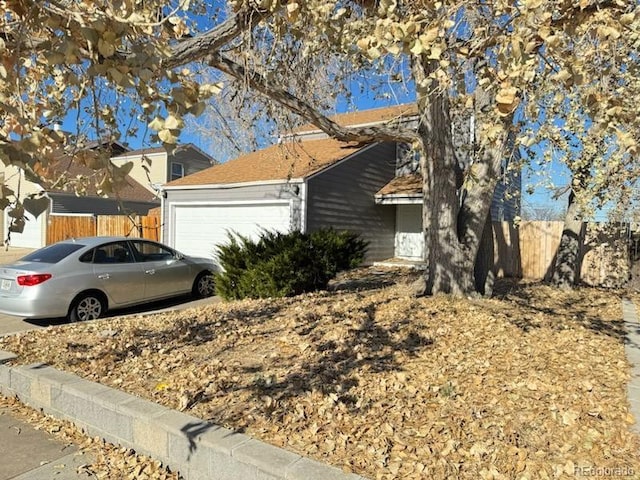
{"x": 530, "y": 384}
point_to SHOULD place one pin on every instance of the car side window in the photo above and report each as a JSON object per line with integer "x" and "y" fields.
{"x": 87, "y": 257}
{"x": 118, "y": 252}
{"x": 151, "y": 252}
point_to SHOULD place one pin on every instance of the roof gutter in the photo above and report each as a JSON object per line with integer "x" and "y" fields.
{"x": 399, "y": 199}
{"x": 210, "y": 186}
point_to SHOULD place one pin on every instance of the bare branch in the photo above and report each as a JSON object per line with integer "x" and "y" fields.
{"x": 202, "y": 45}
{"x": 259, "y": 83}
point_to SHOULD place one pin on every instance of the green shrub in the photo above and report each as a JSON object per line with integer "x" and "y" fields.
{"x": 285, "y": 264}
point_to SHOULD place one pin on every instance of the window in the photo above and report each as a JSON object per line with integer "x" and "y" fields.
{"x": 151, "y": 252}
{"x": 111, "y": 253}
{"x": 52, "y": 253}
{"x": 177, "y": 171}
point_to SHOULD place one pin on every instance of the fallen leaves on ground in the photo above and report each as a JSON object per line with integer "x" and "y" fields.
{"x": 529, "y": 384}
{"x": 110, "y": 462}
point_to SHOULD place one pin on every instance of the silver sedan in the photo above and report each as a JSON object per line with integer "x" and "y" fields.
{"x": 83, "y": 278}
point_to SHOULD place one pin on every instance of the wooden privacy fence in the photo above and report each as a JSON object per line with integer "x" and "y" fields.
{"x": 529, "y": 251}
{"x": 63, "y": 227}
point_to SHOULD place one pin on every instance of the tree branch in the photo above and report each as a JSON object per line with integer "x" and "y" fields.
{"x": 259, "y": 83}
{"x": 202, "y": 45}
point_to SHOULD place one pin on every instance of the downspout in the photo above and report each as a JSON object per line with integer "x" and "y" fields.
{"x": 163, "y": 196}
{"x": 303, "y": 206}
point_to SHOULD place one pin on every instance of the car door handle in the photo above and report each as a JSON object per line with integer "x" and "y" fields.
{"x": 104, "y": 276}
{"x": 150, "y": 272}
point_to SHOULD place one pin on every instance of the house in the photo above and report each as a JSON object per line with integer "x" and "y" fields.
{"x": 137, "y": 195}
{"x": 131, "y": 198}
{"x": 306, "y": 182}
{"x": 153, "y": 167}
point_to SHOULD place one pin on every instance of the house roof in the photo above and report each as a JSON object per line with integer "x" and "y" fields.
{"x": 130, "y": 190}
{"x": 402, "y": 185}
{"x": 277, "y": 162}
{"x": 156, "y": 150}
{"x": 364, "y": 117}
{"x": 140, "y": 151}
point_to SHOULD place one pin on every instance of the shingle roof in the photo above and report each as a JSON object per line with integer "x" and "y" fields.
{"x": 130, "y": 190}
{"x": 364, "y": 117}
{"x": 277, "y": 162}
{"x": 403, "y": 185}
{"x": 292, "y": 159}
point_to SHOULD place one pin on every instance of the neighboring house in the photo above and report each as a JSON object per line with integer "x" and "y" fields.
{"x": 138, "y": 195}
{"x": 153, "y": 167}
{"x": 131, "y": 198}
{"x": 306, "y": 182}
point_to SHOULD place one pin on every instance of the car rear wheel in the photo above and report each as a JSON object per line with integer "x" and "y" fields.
{"x": 86, "y": 307}
{"x": 204, "y": 285}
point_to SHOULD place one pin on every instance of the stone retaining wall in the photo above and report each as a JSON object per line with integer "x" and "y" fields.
{"x": 191, "y": 446}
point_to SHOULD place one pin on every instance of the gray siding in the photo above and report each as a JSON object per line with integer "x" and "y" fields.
{"x": 71, "y": 204}
{"x": 261, "y": 192}
{"x": 192, "y": 160}
{"x": 343, "y": 197}
{"x": 505, "y": 205}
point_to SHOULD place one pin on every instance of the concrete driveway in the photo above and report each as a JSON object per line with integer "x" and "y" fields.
{"x": 10, "y": 324}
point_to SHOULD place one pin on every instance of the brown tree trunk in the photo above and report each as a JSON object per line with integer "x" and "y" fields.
{"x": 453, "y": 218}
{"x": 449, "y": 262}
{"x": 484, "y": 270}
{"x": 566, "y": 268}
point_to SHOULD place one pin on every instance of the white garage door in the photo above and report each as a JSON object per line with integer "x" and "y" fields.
{"x": 198, "y": 228}
{"x": 32, "y": 235}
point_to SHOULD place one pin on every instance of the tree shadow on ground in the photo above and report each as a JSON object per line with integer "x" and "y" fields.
{"x": 185, "y": 332}
{"x": 565, "y": 310}
{"x": 372, "y": 278}
{"x": 336, "y": 363}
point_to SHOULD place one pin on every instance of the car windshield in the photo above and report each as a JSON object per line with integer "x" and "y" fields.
{"x": 53, "y": 253}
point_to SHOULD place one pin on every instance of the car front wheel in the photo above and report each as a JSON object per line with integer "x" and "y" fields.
{"x": 204, "y": 285}
{"x": 86, "y": 307}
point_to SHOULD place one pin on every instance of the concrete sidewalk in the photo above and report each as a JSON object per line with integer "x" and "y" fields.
{"x": 30, "y": 454}
{"x": 632, "y": 349}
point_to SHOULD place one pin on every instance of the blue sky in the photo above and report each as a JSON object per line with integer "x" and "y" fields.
{"x": 363, "y": 101}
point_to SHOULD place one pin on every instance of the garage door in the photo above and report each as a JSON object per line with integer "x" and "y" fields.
{"x": 32, "y": 235}
{"x": 198, "y": 228}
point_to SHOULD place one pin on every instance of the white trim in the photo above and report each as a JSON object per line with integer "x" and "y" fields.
{"x": 162, "y": 205}
{"x": 217, "y": 203}
{"x": 398, "y": 199}
{"x": 208, "y": 186}
{"x": 342, "y": 160}
{"x": 127, "y": 156}
{"x": 55, "y": 214}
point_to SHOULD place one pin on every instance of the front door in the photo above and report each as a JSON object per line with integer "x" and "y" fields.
{"x": 409, "y": 239}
